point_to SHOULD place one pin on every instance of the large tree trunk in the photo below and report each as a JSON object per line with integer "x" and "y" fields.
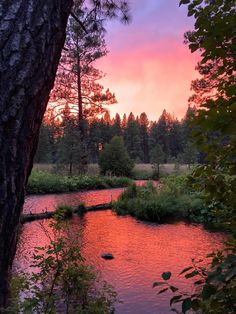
{"x": 32, "y": 34}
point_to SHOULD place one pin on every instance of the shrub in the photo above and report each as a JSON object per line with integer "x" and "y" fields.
{"x": 62, "y": 281}
{"x": 130, "y": 192}
{"x": 174, "y": 200}
{"x": 114, "y": 182}
{"x": 114, "y": 158}
{"x": 157, "y": 158}
{"x": 43, "y": 182}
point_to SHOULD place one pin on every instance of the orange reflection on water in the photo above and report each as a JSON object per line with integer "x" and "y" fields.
{"x": 142, "y": 251}
{"x": 40, "y": 203}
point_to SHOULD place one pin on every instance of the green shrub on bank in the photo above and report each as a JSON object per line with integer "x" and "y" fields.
{"x": 43, "y": 182}
{"x": 174, "y": 200}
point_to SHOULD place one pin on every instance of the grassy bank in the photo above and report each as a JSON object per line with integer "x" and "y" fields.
{"x": 175, "y": 200}
{"x": 42, "y": 182}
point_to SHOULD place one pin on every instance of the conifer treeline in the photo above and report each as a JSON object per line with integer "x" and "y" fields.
{"x": 59, "y": 140}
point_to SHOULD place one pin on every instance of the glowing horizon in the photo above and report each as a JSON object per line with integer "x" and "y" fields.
{"x": 149, "y": 68}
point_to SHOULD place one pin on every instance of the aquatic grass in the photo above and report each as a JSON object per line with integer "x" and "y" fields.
{"x": 63, "y": 212}
{"x": 41, "y": 182}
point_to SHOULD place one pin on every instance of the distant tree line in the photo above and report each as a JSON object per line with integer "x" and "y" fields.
{"x": 59, "y": 141}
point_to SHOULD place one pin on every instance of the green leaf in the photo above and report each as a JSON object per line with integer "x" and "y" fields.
{"x": 230, "y": 274}
{"x": 197, "y": 2}
{"x": 193, "y": 47}
{"x": 157, "y": 284}
{"x": 195, "y": 304}
{"x": 186, "y": 305}
{"x": 166, "y": 275}
{"x": 186, "y": 269}
{"x": 207, "y": 292}
{"x": 163, "y": 290}
{"x": 184, "y": 2}
{"x": 173, "y": 289}
{"x": 192, "y": 274}
{"x": 175, "y": 299}
{"x": 199, "y": 282}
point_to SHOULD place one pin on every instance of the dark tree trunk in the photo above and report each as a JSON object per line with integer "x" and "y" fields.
{"x": 79, "y": 88}
{"x": 32, "y": 34}
{"x": 70, "y": 168}
{"x": 81, "y": 122}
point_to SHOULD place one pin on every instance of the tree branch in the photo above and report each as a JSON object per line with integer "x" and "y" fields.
{"x": 79, "y": 22}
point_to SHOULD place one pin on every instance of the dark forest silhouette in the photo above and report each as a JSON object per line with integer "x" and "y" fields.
{"x": 59, "y": 140}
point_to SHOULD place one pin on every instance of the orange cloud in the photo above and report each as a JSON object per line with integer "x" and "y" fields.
{"x": 150, "y": 77}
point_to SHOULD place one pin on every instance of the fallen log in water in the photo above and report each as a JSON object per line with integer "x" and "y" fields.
{"x": 46, "y": 215}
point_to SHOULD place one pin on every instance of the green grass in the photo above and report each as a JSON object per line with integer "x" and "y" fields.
{"x": 42, "y": 182}
{"x": 140, "y": 172}
{"x": 93, "y": 169}
{"x": 145, "y": 171}
{"x": 174, "y": 200}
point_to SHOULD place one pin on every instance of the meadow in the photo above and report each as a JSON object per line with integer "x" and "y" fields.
{"x": 140, "y": 172}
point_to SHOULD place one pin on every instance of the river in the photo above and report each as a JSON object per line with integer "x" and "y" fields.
{"x": 142, "y": 251}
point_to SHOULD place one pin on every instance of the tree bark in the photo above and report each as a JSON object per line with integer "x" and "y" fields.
{"x": 81, "y": 121}
{"x": 79, "y": 88}
{"x": 32, "y": 34}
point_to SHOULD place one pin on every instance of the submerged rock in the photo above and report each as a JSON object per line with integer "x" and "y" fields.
{"x": 107, "y": 256}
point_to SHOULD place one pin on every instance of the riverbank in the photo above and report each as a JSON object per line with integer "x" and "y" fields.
{"x": 42, "y": 182}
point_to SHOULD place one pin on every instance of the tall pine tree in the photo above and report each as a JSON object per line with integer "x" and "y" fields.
{"x": 144, "y": 137}
{"x": 132, "y": 138}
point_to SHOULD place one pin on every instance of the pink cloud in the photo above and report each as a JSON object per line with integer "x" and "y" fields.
{"x": 150, "y": 76}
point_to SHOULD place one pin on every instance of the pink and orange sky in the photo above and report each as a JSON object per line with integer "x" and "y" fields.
{"x": 148, "y": 66}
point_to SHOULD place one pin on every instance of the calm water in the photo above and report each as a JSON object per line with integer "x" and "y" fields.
{"x": 40, "y": 203}
{"x": 142, "y": 251}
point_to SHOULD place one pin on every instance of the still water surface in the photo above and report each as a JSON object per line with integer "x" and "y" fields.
{"x": 142, "y": 251}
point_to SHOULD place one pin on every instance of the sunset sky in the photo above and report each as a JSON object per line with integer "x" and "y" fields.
{"x": 148, "y": 66}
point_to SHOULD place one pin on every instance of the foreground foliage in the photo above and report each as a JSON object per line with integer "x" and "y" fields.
{"x": 61, "y": 281}
{"x": 214, "y": 284}
{"x": 43, "y": 182}
{"x": 173, "y": 200}
{"x": 214, "y": 131}
{"x": 215, "y": 91}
